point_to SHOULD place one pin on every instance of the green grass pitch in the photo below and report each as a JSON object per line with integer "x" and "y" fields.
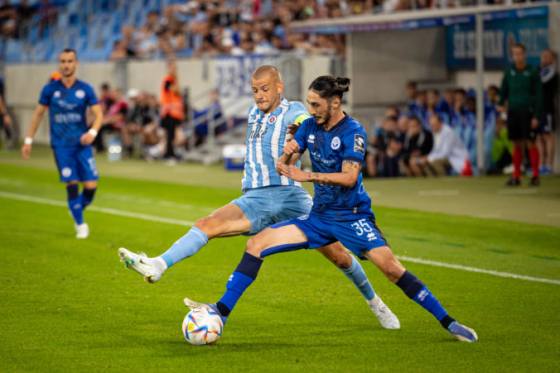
{"x": 69, "y": 305}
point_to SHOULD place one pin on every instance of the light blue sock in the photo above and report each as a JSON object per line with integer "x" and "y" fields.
{"x": 186, "y": 246}
{"x": 357, "y": 275}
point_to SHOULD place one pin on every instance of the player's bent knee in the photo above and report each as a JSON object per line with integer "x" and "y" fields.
{"x": 339, "y": 258}
{"x": 254, "y": 247}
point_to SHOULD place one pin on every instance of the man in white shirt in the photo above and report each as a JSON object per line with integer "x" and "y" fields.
{"x": 448, "y": 153}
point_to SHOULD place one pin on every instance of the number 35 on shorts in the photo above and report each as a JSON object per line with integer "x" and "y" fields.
{"x": 363, "y": 226}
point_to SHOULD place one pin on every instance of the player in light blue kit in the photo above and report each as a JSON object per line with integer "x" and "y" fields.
{"x": 67, "y": 100}
{"x": 268, "y": 197}
{"x": 341, "y": 208}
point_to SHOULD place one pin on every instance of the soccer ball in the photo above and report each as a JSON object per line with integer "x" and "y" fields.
{"x": 202, "y": 326}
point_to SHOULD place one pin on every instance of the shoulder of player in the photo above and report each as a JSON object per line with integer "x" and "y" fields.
{"x": 353, "y": 126}
{"x": 84, "y": 85}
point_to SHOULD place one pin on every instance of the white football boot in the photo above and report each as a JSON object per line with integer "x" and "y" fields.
{"x": 82, "y": 231}
{"x": 386, "y": 317}
{"x": 151, "y": 268}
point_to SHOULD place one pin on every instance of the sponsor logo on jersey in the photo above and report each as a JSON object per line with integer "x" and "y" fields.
{"x": 56, "y": 94}
{"x": 311, "y": 139}
{"x": 359, "y": 144}
{"x": 80, "y": 93}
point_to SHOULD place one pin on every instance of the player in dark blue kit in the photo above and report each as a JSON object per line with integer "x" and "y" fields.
{"x": 341, "y": 206}
{"x": 67, "y": 100}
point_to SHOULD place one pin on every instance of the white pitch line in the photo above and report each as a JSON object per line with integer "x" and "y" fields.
{"x": 106, "y": 210}
{"x": 153, "y": 218}
{"x": 478, "y": 270}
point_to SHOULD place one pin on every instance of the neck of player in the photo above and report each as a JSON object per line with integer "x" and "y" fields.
{"x": 334, "y": 120}
{"x": 68, "y": 81}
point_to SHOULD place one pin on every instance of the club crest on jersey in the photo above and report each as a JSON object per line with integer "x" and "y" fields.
{"x": 335, "y": 143}
{"x": 66, "y": 172}
{"x": 311, "y": 139}
{"x": 56, "y": 94}
{"x": 80, "y": 93}
{"x": 359, "y": 144}
{"x": 272, "y": 119}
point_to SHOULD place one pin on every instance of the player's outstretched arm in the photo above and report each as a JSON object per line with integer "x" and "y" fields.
{"x": 88, "y": 137}
{"x": 35, "y": 122}
{"x": 346, "y": 178}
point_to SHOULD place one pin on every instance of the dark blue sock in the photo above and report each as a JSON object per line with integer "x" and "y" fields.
{"x": 75, "y": 203}
{"x": 239, "y": 281}
{"x": 418, "y": 292}
{"x": 87, "y": 196}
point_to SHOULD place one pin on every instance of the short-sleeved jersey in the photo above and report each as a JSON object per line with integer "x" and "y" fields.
{"x": 266, "y": 135}
{"x": 67, "y": 111}
{"x": 328, "y": 150}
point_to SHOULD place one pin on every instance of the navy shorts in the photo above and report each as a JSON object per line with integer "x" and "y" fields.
{"x": 359, "y": 234}
{"x": 76, "y": 164}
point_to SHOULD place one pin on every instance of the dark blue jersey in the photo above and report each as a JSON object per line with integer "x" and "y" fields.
{"x": 328, "y": 149}
{"x": 67, "y": 111}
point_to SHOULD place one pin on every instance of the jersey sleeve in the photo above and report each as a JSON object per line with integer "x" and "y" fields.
{"x": 296, "y": 113}
{"x": 45, "y": 96}
{"x": 354, "y": 145}
{"x": 301, "y": 135}
{"x": 91, "y": 97}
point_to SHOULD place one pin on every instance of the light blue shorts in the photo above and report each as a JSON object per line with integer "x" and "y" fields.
{"x": 266, "y": 206}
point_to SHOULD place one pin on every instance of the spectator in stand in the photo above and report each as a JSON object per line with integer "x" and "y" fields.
{"x": 448, "y": 154}
{"x": 547, "y": 139}
{"x": 418, "y": 143}
{"x": 115, "y": 120}
{"x": 436, "y": 106}
{"x": 24, "y": 14}
{"x": 522, "y": 91}
{"x": 172, "y": 110}
{"x": 106, "y": 98}
{"x": 6, "y": 124}
{"x": 411, "y": 92}
{"x": 377, "y": 148}
{"x": 146, "y": 41}
{"x": 142, "y": 120}
{"x": 48, "y": 13}
{"x": 8, "y": 19}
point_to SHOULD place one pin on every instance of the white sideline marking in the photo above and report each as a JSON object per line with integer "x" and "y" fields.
{"x": 153, "y": 218}
{"x": 128, "y": 214}
{"x": 478, "y": 270}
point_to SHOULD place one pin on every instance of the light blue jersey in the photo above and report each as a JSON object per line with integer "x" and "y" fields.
{"x": 266, "y": 135}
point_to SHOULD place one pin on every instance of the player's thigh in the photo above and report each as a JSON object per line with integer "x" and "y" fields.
{"x": 337, "y": 254}
{"x": 66, "y": 163}
{"x": 87, "y": 168}
{"x": 258, "y": 206}
{"x": 277, "y": 239}
{"x": 387, "y": 262}
{"x": 228, "y": 220}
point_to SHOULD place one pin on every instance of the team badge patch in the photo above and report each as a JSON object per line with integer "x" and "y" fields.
{"x": 311, "y": 139}
{"x": 80, "y": 93}
{"x": 272, "y": 119}
{"x": 359, "y": 144}
{"x": 56, "y": 94}
{"x": 335, "y": 143}
{"x": 66, "y": 172}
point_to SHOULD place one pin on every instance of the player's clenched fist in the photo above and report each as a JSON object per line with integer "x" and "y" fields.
{"x": 291, "y": 147}
{"x": 26, "y": 151}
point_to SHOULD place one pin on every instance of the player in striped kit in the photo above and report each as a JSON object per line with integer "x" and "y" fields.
{"x": 268, "y": 197}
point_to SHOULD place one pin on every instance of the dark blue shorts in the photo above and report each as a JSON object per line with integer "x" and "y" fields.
{"x": 76, "y": 164}
{"x": 359, "y": 234}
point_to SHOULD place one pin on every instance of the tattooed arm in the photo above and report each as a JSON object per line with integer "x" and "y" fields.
{"x": 346, "y": 178}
